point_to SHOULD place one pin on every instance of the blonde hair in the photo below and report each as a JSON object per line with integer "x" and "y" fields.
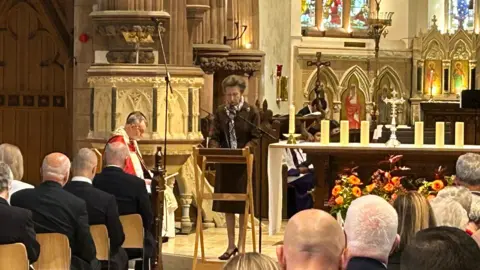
{"x": 12, "y": 156}
{"x": 251, "y": 261}
{"x": 414, "y": 214}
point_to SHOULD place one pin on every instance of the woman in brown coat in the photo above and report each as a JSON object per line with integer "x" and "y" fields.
{"x": 231, "y": 131}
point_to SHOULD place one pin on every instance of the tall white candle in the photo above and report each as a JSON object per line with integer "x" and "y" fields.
{"x": 364, "y": 132}
{"x": 291, "y": 122}
{"x": 459, "y": 134}
{"x": 344, "y": 132}
{"x": 325, "y": 132}
{"x": 418, "y": 133}
{"x": 440, "y": 134}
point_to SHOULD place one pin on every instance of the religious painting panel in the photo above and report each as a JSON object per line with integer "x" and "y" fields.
{"x": 359, "y": 14}
{"x": 460, "y": 16}
{"x": 384, "y": 109}
{"x": 353, "y": 104}
{"x": 459, "y": 76}
{"x": 308, "y": 13}
{"x": 332, "y": 13}
{"x": 433, "y": 77}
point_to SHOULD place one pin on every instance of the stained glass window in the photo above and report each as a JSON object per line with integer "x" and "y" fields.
{"x": 308, "y": 13}
{"x": 359, "y": 14}
{"x": 460, "y": 15}
{"x": 332, "y": 13}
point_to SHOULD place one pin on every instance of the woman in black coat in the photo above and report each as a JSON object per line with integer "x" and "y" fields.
{"x": 229, "y": 130}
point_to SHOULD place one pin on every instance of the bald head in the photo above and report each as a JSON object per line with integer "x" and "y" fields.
{"x": 313, "y": 240}
{"x": 116, "y": 154}
{"x": 56, "y": 167}
{"x": 85, "y": 163}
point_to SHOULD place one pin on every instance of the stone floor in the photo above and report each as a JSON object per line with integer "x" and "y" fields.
{"x": 178, "y": 252}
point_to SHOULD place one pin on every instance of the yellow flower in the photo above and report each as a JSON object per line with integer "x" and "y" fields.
{"x": 357, "y": 192}
{"x": 437, "y": 185}
{"x": 354, "y": 180}
{"x": 395, "y": 181}
{"x": 336, "y": 190}
{"x": 339, "y": 200}
{"x": 371, "y": 187}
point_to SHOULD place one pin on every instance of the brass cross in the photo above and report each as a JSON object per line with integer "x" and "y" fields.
{"x": 320, "y": 93}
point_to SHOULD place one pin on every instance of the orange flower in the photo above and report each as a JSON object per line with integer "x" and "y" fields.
{"x": 339, "y": 200}
{"x": 354, "y": 180}
{"x": 388, "y": 187}
{"x": 394, "y": 196}
{"x": 371, "y": 187}
{"x": 395, "y": 181}
{"x": 357, "y": 192}
{"x": 437, "y": 185}
{"x": 336, "y": 190}
{"x": 431, "y": 197}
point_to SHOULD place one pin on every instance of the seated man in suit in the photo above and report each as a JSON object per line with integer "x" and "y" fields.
{"x": 16, "y": 225}
{"x": 130, "y": 192}
{"x": 101, "y": 206}
{"x": 371, "y": 230}
{"x": 58, "y": 211}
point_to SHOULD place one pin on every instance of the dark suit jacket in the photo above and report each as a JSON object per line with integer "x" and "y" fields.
{"x": 394, "y": 261}
{"x": 362, "y": 263}
{"x": 57, "y": 211}
{"x": 246, "y": 134}
{"x": 132, "y": 197}
{"x": 102, "y": 209}
{"x": 16, "y": 226}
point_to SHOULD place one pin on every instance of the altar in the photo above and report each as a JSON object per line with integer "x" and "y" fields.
{"x": 329, "y": 159}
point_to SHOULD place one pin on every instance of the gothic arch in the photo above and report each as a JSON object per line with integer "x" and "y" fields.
{"x": 460, "y": 50}
{"x": 435, "y": 50}
{"x": 395, "y": 81}
{"x": 362, "y": 78}
{"x": 330, "y": 81}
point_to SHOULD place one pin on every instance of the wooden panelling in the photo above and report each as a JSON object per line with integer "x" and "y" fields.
{"x": 34, "y": 115}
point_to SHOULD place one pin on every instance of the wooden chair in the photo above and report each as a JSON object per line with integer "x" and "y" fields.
{"x": 102, "y": 242}
{"x": 225, "y": 156}
{"x": 134, "y": 233}
{"x": 99, "y": 159}
{"x": 13, "y": 257}
{"x": 55, "y": 252}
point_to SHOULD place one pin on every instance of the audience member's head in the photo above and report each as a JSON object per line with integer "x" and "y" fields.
{"x": 136, "y": 125}
{"x": 313, "y": 240}
{"x": 56, "y": 167}
{"x": 449, "y": 213}
{"x": 459, "y": 194}
{"x": 441, "y": 248}
{"x": 474, "y": 215}
{"x": 11, "y": 155}
{"x": 414, "y": 214}
{"x": 371, "y": 228}
{"x": 251, "y": 261}
{"x": 116, "y": 154}
{"x": 468, "y": 171}
{"x": 5, "y": 178}
{"x": 85, "y": 163}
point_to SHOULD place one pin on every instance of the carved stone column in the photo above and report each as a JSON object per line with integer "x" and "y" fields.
{"x": 186, "y": 223}
{"x": 196, "y": 10}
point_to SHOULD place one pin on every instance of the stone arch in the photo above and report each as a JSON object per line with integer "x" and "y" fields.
{"x": 362, "y": 78}
{"x": 434, "y": 50}
{"x": 388, "y": 80}
{"x": 460, "y": 50}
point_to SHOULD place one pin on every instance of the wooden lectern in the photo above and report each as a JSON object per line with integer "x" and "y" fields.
{"x": 202, "y": 156}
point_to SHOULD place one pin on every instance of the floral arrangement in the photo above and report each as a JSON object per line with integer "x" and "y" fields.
{"x": 385, "y": 182}
{"x": 430, "y": 189}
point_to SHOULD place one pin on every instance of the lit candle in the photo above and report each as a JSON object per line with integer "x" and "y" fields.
{"x": 418, "y": 133}
{"x": 364, "y": 132}
{"x": 344, "y": 132}
{"x": 459, "y": 130}
{"x": 325, "y": 133}
{"x": 440, "y": 134}
{"x": 291, "y": 126}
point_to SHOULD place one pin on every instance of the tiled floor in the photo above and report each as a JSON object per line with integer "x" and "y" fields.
{"x": 178, "y": 252}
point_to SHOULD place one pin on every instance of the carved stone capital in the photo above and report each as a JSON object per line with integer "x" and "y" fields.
{"x": 212, "y": 64}
{"x": 247, "y": 67}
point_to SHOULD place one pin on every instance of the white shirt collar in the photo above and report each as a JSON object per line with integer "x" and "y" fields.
{"x": 81, "y": 179}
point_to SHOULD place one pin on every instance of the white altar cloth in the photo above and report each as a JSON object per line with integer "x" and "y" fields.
{"x": 275, "y": 155}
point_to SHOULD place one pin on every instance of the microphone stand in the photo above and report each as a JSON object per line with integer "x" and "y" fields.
{"x": 262, "y": 132}
{"x": 156, "y": 262}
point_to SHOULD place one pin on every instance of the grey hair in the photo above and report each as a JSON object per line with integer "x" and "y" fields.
{"x": 136, "y": 117}
{"x": 459, "y": 194}
{"x": 251, "y": 261}
{"x": 85, "y": 160}
{"x": 468, "y": 169}
{"x": 12, "y": 156}
{"x": 474, "y": 215}
{"x": 116, "y": 153}
{"x": 5, "y": 171}
{"x": 57, "y": 172}
{"x": 449, "y": 213}
{"x": 371, "y": 227}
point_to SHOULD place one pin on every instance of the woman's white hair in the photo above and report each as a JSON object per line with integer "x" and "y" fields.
{"x": 475, "y": 210}
{"x": 449, "y": 212}
{"x": 371, "y": 227}
{"x": 459, "y": 194}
